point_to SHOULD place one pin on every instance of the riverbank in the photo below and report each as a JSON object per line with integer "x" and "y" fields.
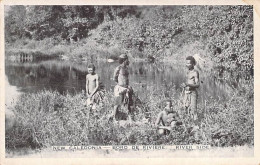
{"x": 47, "y": 118}
{"x": 89, "y": 50}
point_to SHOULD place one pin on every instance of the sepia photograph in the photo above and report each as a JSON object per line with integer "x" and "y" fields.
{"x": 129, "y": 81}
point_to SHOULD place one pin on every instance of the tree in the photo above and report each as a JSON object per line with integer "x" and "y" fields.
{"x": 14, "y": 23}
{"x": 44, "y": 21}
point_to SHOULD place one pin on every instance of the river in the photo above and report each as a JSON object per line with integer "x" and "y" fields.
{"x": 67, "y": 76}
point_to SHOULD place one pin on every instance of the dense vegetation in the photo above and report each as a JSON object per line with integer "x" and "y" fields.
{"x": 49, "y": 118}
{"x": 222, "y": 34}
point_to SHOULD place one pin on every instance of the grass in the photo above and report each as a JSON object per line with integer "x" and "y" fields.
{"x": 48, "y": 118}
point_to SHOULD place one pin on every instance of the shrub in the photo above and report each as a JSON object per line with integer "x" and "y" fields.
{"x": 48, "y": 118}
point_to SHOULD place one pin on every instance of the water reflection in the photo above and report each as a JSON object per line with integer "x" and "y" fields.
{"x": 11, "y": 93}
{"x": 31, "y": 77}
{"x": 70, "y": 77}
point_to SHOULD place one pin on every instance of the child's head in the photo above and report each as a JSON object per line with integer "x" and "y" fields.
{"x": 190, "y": 62}
{"x": 123, "y": 59}
{"x": 91, "y": 68}
{"x": 168, "y": 105}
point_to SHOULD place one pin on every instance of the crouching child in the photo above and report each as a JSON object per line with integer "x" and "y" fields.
{"x": 167, "y": 119}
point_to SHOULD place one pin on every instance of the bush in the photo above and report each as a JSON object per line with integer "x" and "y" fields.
{"x": 225, "y": 33}
{"x": 48, "y": 118}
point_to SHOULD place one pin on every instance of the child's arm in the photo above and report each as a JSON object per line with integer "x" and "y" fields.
{"x": 173, "y": 123}
{"x": 116, "y": 73}
{"x": 97, "y": 86}
{"x": 165, "y": 127}
{"x": 87, "y": 85}
{"x": 168, "y": 127}
{"x": 158, "y": 119}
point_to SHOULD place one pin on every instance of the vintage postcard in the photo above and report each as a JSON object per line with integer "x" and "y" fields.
{"x": 129, "y": 82}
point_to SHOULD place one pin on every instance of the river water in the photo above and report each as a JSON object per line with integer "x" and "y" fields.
{"x": 66, "y": 76}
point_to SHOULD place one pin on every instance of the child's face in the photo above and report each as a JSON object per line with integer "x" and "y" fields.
{"x": 168, "y": 106}
{"x": 189, "y": 64}
{"x": 90, "y": 70}
{"x": 126, "y": 62}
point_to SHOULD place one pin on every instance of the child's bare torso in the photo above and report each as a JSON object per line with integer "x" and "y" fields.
{"x": 167, "y": 118}
{"x": 92, "y": 82}
{"x": 123, "y": 77}
{"x": 191, "y": 76}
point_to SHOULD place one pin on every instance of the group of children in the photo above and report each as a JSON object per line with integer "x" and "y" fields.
{"x": 168, "y": 118}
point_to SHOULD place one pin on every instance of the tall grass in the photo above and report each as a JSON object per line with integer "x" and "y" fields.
{"x": 48, "y": 118}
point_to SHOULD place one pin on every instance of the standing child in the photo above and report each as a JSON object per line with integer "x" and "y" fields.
{"x": 190, "y": 88}
{"x": 168, "y": 119}
{"x": 122, "y": 91}
{"x": 92, "y": 87}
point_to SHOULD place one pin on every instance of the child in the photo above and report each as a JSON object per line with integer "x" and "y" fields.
{"x": 92, "y": 87}
{"x": 122, "y": 91}
{"x": 190, "y": 88}
{"x": 168, "y": 119}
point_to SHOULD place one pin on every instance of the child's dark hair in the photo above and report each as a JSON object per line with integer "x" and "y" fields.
{"x": 192, "y": 59}
{"x": 168, "y": 101}
{"x": 121, "y": 60}
{"x": 92, "y": 66}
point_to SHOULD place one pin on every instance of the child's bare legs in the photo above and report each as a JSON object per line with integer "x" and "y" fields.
{"x": 190, "y": 109}
{"x": 193, "y": 106}
{"x": 116, "y": 107}
{"x": 130, "y": 113}
{"x": 129, "y": 96}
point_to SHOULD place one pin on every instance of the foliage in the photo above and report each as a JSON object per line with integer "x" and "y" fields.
{"x": 49, "y": 118}
{"x": 227, "y": 32}
{"x": 59, "y": 22}
{"x": 149, "y": 34}
{"x": 14, "y": 23}
{"x": 224, "y": 33}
